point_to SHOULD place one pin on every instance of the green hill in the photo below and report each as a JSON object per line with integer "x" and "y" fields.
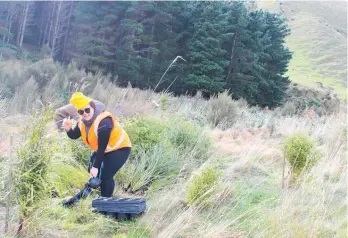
{"x": 318, "y": 40}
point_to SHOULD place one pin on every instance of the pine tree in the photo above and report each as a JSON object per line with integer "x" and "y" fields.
{"x": 7, "y": 16}
{"x": 259, "y": 59}
{"x": 207, "y": 58}
{"x": 133, "y": 46}
{"x": 277, "y": 62}
{"x": 239, "y": 77}
{"x": 162, "y": 30}
{"x": 94, "y": 27}
{"x": 226, "y": 45}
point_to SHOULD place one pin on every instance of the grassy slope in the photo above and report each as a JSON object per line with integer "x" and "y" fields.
{"x": 248, "y": 202}
{"x": 318, "y": 40}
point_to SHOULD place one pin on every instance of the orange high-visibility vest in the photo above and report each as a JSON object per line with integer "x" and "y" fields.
{"x": 118, "y": 136}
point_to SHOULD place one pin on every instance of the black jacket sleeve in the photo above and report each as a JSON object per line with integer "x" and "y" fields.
{"x": 104, "y": 131}
{"x": 74, "y": 133}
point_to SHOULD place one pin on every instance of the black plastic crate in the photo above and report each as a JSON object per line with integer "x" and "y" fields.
{"x": 120, "y": 208}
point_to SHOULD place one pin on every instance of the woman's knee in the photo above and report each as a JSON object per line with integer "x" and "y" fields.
{"x": 107, "y": 188}
{"x": 108, "y": 182}
{"x": 106, "y": 175}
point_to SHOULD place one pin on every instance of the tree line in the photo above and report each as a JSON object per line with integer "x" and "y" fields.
{"x": 223, "y": 45}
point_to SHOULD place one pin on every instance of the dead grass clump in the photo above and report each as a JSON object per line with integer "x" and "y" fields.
{"x": 222, "y": 111}
{"x": 25, "y": 98}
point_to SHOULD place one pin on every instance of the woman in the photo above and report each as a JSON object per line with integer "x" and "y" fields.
{"x": 69, "y": 111}
{"x": 100, "y": 130}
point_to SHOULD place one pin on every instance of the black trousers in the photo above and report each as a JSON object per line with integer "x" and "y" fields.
{"x": 112, "y": 163}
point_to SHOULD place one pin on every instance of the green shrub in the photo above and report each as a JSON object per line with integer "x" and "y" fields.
{"x": 202, "y": 187}
{"x": 144, "y": 132}
{"x": 77, "y": 221}
{"x": 80, "y": 152}
{"x": 301, "y": 153}
{"x": 160, "y": 149}
{"x": 64, "y": 177}
{"x": 147, "y": 167}
{"x": 182, "y": 134}
{"x": 188, "y": 138}
{"x": 222, "y": 111}
{"x": 34, "y": 157}
{"x": 164, "y": 101}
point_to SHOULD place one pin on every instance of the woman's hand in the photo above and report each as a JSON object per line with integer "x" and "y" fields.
{"x": 67, "y": 124}
{"x": 93, "y": 172}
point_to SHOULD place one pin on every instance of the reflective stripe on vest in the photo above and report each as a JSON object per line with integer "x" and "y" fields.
{"x": 116, "y": 124}
{"x": 118, "y": 143}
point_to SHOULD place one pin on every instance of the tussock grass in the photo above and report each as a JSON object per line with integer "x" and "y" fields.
{"x": 64, "y": 178}
{"x": 161, "y": 149}
{"x": 53, "y": 220}
{"x": 31, "y": 173}
{"x": 252, "y": 202}
{"x": 171, "y": 143}
{"x": 222, "y": 110}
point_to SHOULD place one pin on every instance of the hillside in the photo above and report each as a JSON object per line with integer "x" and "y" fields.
{"x": 318, "y": 39}
{"x": 217, "y": 166}
{"x": 207, "y": 168}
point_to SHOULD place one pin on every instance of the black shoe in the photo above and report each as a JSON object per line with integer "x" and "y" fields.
{"x": 85, "y": 192}
{"x": 70, "y": 202}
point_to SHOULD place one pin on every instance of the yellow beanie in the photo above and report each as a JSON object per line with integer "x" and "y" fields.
{"x": 79, "y": 101}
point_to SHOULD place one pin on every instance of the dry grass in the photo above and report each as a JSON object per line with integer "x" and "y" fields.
{"x": 307, "y": 210}
{"x": 313, "y": 208}
{"x": 125, "y": 102}
{"x": 248, "y": 200}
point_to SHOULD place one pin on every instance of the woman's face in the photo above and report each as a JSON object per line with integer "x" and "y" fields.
{"x": 86, "y": 112}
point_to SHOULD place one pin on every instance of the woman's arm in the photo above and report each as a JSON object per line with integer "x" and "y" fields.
{"x": 74, "y": 133}
{"x": 65, "y": 112}
{"x": 104, "y": 131}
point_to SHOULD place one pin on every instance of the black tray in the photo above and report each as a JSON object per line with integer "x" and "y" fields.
{"x": 120, "y": 208}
